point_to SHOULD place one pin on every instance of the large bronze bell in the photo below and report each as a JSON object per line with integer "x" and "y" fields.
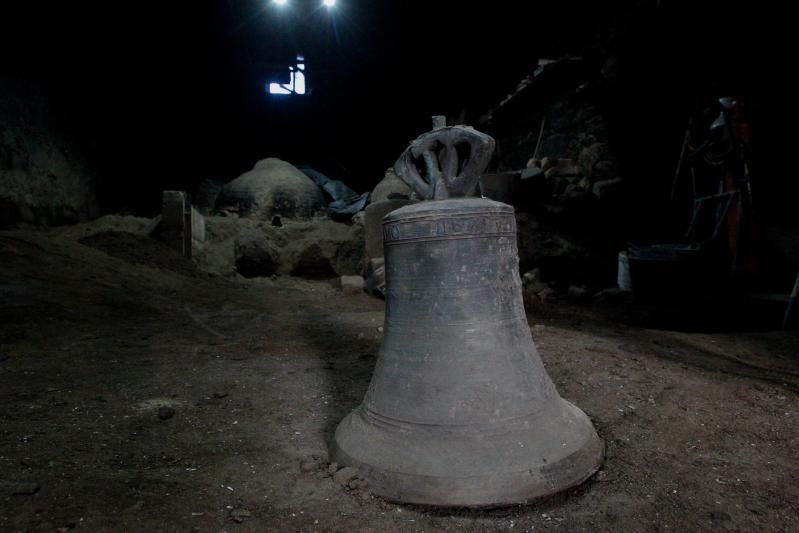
{"x": 460, "y": 410}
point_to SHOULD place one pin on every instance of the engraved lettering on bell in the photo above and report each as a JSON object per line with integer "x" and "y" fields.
{"x": 455, "y": 227}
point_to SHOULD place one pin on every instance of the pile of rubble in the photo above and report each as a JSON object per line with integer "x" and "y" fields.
{"x": 593, "y": 176}
{"x": 273, "y": 188}
{"x": 556, "y": 117}
{"x": 560, "y": 166}
{"x": 317, "y": 248}
{"x": 279, "y": 220}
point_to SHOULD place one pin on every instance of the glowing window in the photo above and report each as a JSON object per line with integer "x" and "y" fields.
{"x": 296, "y": 84}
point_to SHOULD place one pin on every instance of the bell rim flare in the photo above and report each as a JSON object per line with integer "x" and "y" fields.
{"x": 464, "y": 484}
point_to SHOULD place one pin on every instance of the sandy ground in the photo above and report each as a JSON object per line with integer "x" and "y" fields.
{"x": 158, "y": 399}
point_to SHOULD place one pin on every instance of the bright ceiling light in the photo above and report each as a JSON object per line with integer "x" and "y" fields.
{"x": 329, "y": 3}
{"x": 281, "y": 2}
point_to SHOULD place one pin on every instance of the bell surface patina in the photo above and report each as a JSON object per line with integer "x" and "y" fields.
{"x": 460, "y": 410}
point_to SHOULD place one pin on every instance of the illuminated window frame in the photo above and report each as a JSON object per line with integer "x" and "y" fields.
{"x": 296, "y": 84}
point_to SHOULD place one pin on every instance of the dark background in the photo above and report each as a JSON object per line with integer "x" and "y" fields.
{"x": 165, "y": 94}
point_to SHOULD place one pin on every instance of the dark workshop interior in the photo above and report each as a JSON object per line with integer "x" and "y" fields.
{"x": 347, "y": 265}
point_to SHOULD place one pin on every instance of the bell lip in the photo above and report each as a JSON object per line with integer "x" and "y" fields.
{"x": 452, "y": 206}
{"x": 593, "y": 454}
{"x": 488, "y": 489}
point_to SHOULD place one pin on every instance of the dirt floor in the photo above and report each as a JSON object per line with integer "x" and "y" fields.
{"x": 158, "y": 399}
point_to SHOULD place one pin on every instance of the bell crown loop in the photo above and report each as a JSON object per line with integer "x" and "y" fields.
{"x": 446, "y": 162}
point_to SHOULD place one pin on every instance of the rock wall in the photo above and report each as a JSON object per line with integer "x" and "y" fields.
{"x": 44, "y": 178}
{"x": 571, "y": 199}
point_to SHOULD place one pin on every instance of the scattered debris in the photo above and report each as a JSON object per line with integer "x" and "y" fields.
{"x": 577, "y": 293}
{"x": 614, "y": 294}
{"x": 376, "y": 284}
{"x": 359, "y": 219}
{"x": 312, "y": 464}
{"x": 607, "y": 189}
{"x": 20, "y": 488}
{"x": 309, "y": 466}
{"x": 136, "y": 507}
{"x": 590, "y": 156}
{"x": 345, "y": 475}
{"x": 165, "y": 413}
{"x": 556, "y": 167}
{"x": 532, "y": 173}
{"x": 240, "y": 515}
{"x": 392, "y": 188}
{"x": 352, "y": 283}
{"x": 536, "y": 290}
{"x": 548, "y": 295}
{"x": 357, "y": 483}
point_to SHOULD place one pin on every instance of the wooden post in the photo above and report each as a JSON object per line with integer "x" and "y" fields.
{"x": 176, "y": 224}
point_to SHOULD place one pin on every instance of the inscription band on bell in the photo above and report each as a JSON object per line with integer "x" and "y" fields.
{"x": 454, "y": 227}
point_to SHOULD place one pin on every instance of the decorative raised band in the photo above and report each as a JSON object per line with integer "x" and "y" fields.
{"x": 449, "y": 227}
